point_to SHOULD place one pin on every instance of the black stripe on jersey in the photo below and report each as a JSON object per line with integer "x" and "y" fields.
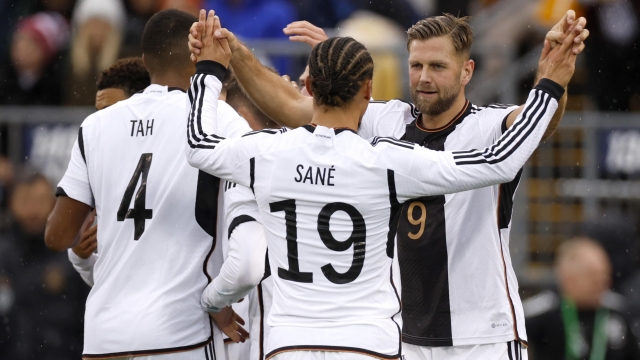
{"x": 206, "y": 352}
{"x": 81, "y": 144}
{"x": 149, "y": 352}
{"x": 513, "y": 134}
{"x": 331, "y": 349}
{"x": 261, "y": 339}
{"x": 505, "y": 201}
{"x": 252, "y": 173}
{"x": 509, "y": 351}
{"x": 207, "y": 202}
{"x": 237, "y": 221}
{"x": 395, "y": 291}
{"x": 395, "y": 212}
{"x": 60, "y": 192}
{"x": 491, "y": 156}
{"x": 425, "y": 297}
{"x": 376, "y": 140}
{"x": 264, "y": 131}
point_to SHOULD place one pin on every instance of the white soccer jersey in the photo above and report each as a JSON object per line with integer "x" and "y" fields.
{"x": 156, "y": 224}
{"x": 458, "y": 284}
{"x": 327, "y": 200}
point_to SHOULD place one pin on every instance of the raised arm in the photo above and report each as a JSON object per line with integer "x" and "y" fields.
{"x": 447, "y": 172}
{"x": 206, "y": 149}
{"x": 424, "y": 172}
{"x": 273, "y": 95}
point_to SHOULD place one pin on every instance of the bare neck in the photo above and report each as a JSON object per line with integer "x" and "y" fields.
{"x": 171, "y": 79}
{"x": 330, "y": 117}
{"x": 437, "y": 121}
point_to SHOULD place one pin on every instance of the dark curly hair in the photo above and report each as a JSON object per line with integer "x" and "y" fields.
{"x": 337, "y": 68}
{"x": 128, "y": 74}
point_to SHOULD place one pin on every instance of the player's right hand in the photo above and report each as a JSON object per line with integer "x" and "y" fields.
{"x": 230, "y": 324}
{"x": 558, "y": 64}
{"x": 89, "y": 238}
{"x": 198, "y": 29}
{"x": 306, "y": 32}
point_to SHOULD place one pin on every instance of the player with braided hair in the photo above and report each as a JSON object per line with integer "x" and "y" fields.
{"x": 327, "y": 198}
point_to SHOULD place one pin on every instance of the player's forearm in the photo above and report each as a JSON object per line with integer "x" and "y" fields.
{"x": 64, "y": 223}
{"x": 501, "y": 162}
{"x": 557, "y": 117}
{"x": 275, "y": 97}
{"x": 241, "y": 271}
{"x": 202, "y": 120}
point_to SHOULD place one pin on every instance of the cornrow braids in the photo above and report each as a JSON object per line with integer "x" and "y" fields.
{"x": 458, "y": 29}
{"x": 337, "y": 68}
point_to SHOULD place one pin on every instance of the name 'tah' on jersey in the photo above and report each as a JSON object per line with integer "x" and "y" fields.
{"x": 157, "y": 225}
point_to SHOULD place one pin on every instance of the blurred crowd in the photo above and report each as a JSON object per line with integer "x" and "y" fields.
{"x": 51, "y": 51}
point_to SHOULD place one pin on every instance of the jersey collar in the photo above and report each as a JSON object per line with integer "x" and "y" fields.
{"x": 461, "y": 115}
{"x": 160, "y": 89}
{"x": 312, "y": 127}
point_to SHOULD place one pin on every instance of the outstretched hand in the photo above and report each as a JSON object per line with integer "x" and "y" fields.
{"x": 198, "y": 31}
{"x": 230, "y": 324}
{"x": 558, "y": 63}
{"x": 306, "y": 32}
{"x": 559, "y": 31}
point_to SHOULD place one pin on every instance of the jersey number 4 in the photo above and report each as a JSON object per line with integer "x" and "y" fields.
{"x": 357, "y": 239}
{"x": 139, "y": 213}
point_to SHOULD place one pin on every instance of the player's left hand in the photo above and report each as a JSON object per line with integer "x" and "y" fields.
{"x": 89, "y": 238}
{"x": 230, "y": 324}
{"x": 306, "y": 32}
{"x": 559, "y": 31}
{"x": 212, "y": 48}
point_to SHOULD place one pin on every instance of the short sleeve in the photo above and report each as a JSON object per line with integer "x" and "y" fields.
{"x": 75, "y": 182}
{"x": 386, "y": 119}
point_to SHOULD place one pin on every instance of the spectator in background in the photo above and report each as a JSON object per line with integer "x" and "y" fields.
{"x": 586, "y": 321}
{"x": 619, "y": 237}
{"x": 121, "y": 80}
{"x": 34, "y": 75}
{"x": 96, "y": 45}
{"x": 613, "y": 60}
{"x": 44, "y": 298}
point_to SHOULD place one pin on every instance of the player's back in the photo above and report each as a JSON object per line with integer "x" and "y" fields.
{"x": 156, "y": 227}
{"x": 322, "y": 192}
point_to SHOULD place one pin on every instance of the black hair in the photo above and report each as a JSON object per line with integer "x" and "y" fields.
{"x": 337, "y": 68}
{"x": 164, "y": 42}
{"x": 128, "y": 74}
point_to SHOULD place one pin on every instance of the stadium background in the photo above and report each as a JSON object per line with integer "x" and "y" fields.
{"x": 583, "y": 180}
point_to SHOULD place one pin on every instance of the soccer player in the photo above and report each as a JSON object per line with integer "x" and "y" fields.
{"x": 156, "y": 214}
{"x": 118, "y": 82}
{"x": 327, "y": 197}
{"x": 442, "y": 279}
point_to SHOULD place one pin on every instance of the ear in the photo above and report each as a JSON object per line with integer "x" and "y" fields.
{"x": 467, "y": 71}
{"x": 307, "y": 85}
{"x": 368, "y": 90}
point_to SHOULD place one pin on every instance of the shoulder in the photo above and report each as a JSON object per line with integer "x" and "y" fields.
{"x": 395, "y": 105}
{"x": 267, "y": 132}
{"x": 543, "y": 303}
{"x": 492, "y": 110}
{"x": 390, "y": 141}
